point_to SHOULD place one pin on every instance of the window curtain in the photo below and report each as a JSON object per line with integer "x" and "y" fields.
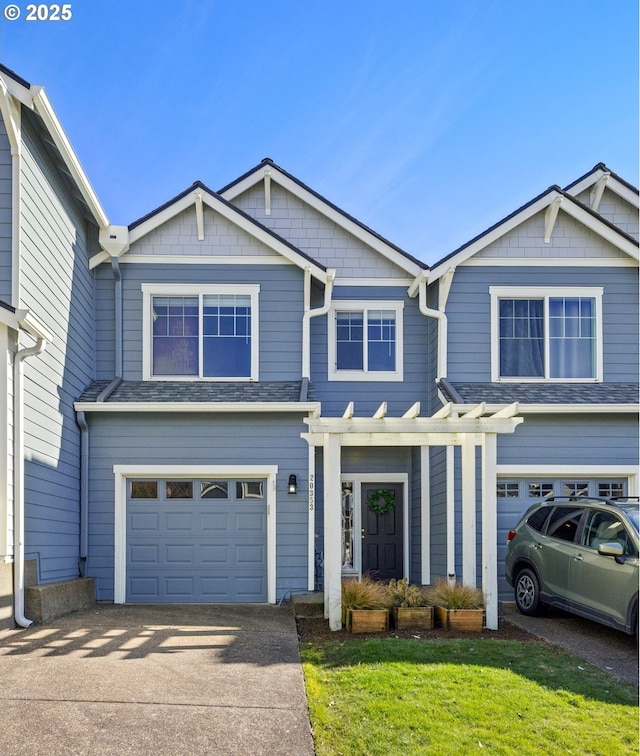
{"x": 522, "y": 338}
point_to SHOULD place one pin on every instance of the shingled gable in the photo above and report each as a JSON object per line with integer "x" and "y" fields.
{"x": 278, "y": 175}
{"x": 199, "y": 192}
{"x": 543, "y": 202}
{"x": 601, "y": 173}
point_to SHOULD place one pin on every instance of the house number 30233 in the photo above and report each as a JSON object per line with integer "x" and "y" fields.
{"x": 43, "y": 12}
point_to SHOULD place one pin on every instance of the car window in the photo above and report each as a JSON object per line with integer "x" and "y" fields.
{"x": 538, "y": 518}
{"x": 606, "y": 527}
{"x": 563, "y": 523}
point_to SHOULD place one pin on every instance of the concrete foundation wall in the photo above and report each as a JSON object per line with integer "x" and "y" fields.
{"x": 45, "y": 603}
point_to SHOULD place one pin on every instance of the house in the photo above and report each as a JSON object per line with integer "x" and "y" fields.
{"x": 272, "y": 396}
{"x": 49, "y": 225}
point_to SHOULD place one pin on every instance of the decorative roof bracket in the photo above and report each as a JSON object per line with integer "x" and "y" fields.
{"x": 199, "y": 215}
{"x": 597, "y": 191}
{"x": 267, "y": 192}
{"x": 550, "y": 218}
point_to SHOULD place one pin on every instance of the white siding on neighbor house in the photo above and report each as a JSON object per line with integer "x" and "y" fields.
{"x": 570, "y": 239}
{"x": 179, "y": 236}
{"x": 58, "y": 287}
{"x": 316, "y": 235}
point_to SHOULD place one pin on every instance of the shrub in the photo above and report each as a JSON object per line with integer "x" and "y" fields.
{"x": 455, "y": 595}
{"x": 364, "y": 594}
{"x": 402, "y": 593}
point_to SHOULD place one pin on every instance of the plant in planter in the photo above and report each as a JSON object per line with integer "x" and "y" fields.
{"x": 364, "y": 605}
{"x": 457, "y": 606}
{"x": 409, "y": 605}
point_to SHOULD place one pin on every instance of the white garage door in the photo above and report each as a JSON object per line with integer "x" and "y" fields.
{"x": 516, "y": 495}
{"x": 196, "y": 541}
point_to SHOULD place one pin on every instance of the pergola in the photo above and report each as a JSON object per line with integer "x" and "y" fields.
{"x": 448, "y": 427}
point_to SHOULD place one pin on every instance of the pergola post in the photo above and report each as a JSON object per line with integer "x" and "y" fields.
{"x": 489, "y": 529}
{"x": 332, "y": 531}
{"x": 469, "y": 554}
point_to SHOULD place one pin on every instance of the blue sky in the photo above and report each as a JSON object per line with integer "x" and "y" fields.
{"x": 428, "y": 121}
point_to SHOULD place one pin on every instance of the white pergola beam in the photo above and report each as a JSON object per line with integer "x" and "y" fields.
{"x": 348, "y": 413}
{"x": 511, "y": 410}
{"x": 489, "y": 530}
{"x": 468, "y": 511}
{"x": 417, "y": 425}
{"x": 332, "y": 530}
{"x": 477, "y": 411}
{"x": 443, "y": 411}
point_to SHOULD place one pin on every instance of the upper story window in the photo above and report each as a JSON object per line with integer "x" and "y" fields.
{"x": 197, "y": 332}
{"x": 546, "y": 334}
{"x": 365, "y": 341}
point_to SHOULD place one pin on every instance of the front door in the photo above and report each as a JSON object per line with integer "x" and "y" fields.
{"x": 382, "y": 532}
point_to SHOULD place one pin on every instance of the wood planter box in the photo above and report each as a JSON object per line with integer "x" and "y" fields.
{"x": 469, "y": 620}
{"x": 408, "y": 617}
{"x": 367, "y": 620}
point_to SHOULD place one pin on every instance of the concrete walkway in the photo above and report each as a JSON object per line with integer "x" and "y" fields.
{"x": 610, "y": 650}
{"x": 155, "y": 680}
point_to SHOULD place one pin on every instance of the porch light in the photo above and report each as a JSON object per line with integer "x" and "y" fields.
{"x": 293, "y": 484}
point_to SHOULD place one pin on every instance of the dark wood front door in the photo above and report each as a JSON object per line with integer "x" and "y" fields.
{"x": 382, "y": 535}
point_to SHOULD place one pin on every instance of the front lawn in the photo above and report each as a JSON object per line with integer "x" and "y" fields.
{"x": 416, "y": 696}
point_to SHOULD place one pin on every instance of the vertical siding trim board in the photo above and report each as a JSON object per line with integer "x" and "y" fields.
{"x": 489, "y": 530}
{"x": 123, "y": 472}
{"x": 468, "y": 510}
{"x": 311, "y": 578}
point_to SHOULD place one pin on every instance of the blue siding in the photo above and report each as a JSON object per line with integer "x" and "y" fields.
{"x": 572, "y": 440}
{"x": 58, "y": 288}
{"x": 368, "y": 395}
{"x": 469, "y": 313}
{"x": 280, "y": 305}
{"x": 216, "y": 439}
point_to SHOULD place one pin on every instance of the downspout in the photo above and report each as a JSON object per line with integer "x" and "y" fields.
{"x": 420, "y": 284}
{"x": 18, "y": 479}
{"x": 117, "y": 275}
{"x": 309, "y": 313}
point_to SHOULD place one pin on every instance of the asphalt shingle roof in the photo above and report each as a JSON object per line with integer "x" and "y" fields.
{"x": 543, "y": 393}
{"x": 199, "y": 391}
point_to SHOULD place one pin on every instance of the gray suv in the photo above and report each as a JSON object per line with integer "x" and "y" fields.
{"x": 578, "y": 554}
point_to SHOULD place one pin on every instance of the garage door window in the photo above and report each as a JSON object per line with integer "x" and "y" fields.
{"x": 540, "y": 490}
{"x": 249, "y": 489}
{"x": 179, "y": 489}
{"x": 214, "y": 489}
{"x": 144, "y": 489}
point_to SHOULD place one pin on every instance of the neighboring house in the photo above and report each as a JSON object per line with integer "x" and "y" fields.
{"x": 543, "y": 310}
{"x": 49, "y": 219}
{"x": 253, "y": 370}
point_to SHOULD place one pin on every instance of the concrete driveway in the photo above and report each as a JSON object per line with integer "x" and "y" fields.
{"x": 608, "y": 649}
{"x": 155, "y": 680}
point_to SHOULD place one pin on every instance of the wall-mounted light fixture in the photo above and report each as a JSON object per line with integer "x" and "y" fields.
{"x": 293, "y": 484}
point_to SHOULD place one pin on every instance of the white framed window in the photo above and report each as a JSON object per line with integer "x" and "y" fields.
{"x": 195, "y": 332}
{"x": 546, "y": 333}
{"x": 365, "y": 341}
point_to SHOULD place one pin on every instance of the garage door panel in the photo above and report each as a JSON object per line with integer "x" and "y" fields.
{"x": 197, "y": 550}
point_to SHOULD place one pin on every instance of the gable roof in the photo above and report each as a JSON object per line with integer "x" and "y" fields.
{"x": 600, "y": 173}
{"x": 200, "y": 192}
{"x": 554, "y": 194}
{"x": 35, "y": 99}
{"x": 347, "y": 222}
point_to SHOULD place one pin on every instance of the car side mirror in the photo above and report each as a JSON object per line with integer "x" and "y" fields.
{"x": 612, "y": 549}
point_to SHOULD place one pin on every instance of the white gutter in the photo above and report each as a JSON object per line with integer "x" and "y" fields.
{"x": 309, "y": 313}
{"x": 42, "y": 336}
{"x": 420, "y": 284}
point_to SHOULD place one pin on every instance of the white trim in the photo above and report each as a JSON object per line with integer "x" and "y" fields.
{"x": 613, "y": 184}
{"x": 358, "y": 479}
{"x": 313, "y": 408}
{"x": 509, "y": 224}
{"x": 123, "y": 472}
{"x": 469, "y": 546}
{"x": 425, "y": 516}
{"x": 451, "y": 512}
{"x": 557, "y": 409}
{"x": 489, "y": 520}
{"x": 205, "y": 260}
{"x": 403, "y": 283}
{"x": 311, "y": 510}
{"x": 551, "y": 262}
{"x": 545, "y": 293}
{"x": 199, "y": 290}
{"x": 343, "y": 305}
{"x": 370, "y": 239}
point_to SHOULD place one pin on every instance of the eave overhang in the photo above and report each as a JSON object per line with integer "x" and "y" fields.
{"x": 200, "y": 407}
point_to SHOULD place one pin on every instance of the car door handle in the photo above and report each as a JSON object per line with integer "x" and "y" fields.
{"x": 578, "y": 558}
{"x": 537, "y": 545}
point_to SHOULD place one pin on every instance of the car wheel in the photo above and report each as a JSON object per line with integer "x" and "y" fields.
{"x": 527, "y": 592}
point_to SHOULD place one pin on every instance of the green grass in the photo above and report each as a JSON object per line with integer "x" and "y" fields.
{"x": 402, "y": 696}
